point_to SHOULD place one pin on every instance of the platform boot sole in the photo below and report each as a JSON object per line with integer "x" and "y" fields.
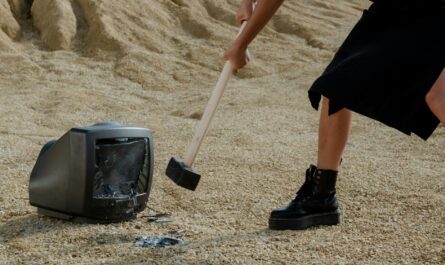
{"x": 301, "y": 223}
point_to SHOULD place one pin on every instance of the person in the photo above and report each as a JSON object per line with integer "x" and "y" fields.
{"x": 391, "y": 68}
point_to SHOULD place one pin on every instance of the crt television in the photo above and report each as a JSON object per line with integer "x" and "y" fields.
{"x": 99, "y": 173}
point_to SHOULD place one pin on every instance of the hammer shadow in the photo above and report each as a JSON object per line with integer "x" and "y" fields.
{"x": 178, "y": 254}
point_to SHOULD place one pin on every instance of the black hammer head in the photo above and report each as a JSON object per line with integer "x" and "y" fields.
{"x": 181, "y": 174}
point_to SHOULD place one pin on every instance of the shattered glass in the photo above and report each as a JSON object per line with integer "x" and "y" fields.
{"x": 158, "y": 241}
{"x": 119, "y": 163}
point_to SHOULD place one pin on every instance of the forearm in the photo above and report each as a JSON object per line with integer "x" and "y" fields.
{"x": 264, "y": 11}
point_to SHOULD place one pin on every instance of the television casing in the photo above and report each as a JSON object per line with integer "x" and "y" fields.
{"x": 64, "y": 180}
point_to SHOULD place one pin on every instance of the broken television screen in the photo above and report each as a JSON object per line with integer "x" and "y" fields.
{"x": 119, "y": 165}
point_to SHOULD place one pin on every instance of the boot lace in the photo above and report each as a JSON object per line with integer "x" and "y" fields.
{"x": 307, "y": 190}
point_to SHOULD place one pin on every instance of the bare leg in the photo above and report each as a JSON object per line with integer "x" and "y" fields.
{"x": 333, "y": 134}
{"x": 316, "y": 202}
{"x": 436, "y": 98}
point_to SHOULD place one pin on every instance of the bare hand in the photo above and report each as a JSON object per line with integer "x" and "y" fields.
{"x": 245, "y": 11}
{"x": 237, "y": 56}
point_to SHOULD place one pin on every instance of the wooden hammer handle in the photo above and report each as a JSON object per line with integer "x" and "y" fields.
{"x": 210, "y": 110}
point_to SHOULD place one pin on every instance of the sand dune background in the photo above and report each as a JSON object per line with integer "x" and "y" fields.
{"x": 153, "y": 64}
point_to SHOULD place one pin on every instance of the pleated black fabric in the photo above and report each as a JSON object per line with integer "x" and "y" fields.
{"x": 387, "y": 64}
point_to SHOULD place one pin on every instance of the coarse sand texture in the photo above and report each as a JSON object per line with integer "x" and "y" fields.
{"x": 147, "y": 63}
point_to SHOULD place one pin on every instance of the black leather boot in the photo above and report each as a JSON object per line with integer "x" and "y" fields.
{"x": 315, "y": 203}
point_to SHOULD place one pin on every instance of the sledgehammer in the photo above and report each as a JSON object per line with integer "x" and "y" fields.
{"x": 181, "y": 171}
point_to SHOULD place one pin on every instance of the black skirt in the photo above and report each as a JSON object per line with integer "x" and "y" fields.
{"x": 387, "y": 65}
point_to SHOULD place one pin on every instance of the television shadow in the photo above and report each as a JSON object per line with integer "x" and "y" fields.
{"x": 32, "y": 224}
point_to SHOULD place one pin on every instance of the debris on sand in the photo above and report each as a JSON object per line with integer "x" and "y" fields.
{"x": 161, "y": 241}
{"x": 160, "y": 218}
{"x": 158, "y": 241}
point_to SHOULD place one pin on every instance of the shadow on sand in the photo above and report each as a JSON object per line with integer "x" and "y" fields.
{"x": 32, "y": 224}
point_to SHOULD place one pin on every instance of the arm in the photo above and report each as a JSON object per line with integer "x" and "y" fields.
{"x": 263, "y": 12}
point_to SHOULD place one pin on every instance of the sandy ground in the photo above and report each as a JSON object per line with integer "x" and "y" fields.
{"x": 153, "y": 64}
